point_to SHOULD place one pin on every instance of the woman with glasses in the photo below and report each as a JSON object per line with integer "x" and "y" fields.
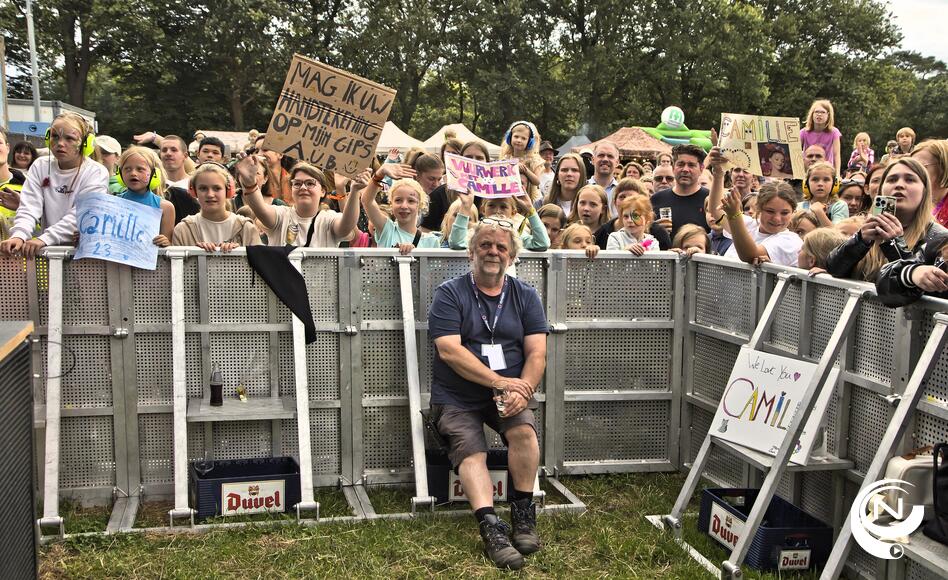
{"x": 304, "y": 224}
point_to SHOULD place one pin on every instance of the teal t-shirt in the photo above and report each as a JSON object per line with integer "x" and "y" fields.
{"x": 391, "y": 235}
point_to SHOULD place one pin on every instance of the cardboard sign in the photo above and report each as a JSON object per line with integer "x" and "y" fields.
{"x": 328, "y": 117}
{"x": 760, "y": 399}
{"x": 765, "y": 146}
{"x": 253, "y": 497}
{"x": 484, "y": 179}
{"x": 117, "y": 230}
{"x": 498, "y": 479}
{"x": 724, "y": 527}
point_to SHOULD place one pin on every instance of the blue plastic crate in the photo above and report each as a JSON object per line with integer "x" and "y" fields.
{"x": 206, "y": 491}
{"x": 787, "y": 539}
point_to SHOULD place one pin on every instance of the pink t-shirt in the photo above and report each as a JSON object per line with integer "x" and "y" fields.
{"x": 824, "y": 139}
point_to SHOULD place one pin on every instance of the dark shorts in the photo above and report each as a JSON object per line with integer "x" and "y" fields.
{"x": 464, "y": 429}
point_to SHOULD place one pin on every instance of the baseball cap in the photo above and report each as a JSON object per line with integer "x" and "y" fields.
{"x": 108, "y": 144}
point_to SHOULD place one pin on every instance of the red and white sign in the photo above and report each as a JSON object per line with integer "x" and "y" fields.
{"x": 498, "y": 479}
{"x": 724, "y": 527}
{"x": 794, "y": 560}
{"x": 253, "y": 497}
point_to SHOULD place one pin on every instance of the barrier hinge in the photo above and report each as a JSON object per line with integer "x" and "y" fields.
{"x": 120, "y": 332}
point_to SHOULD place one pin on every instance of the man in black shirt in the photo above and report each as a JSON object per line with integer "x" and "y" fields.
{"x": 686, "y": 198}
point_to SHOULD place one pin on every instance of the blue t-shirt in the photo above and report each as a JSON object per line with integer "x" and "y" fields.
{"x": 148, "y": 198}
{"x": 454, "y": 311}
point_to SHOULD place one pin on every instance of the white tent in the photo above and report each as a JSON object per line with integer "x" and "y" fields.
{"x": 392, "y": 136}
{"x": 433, "y": 144}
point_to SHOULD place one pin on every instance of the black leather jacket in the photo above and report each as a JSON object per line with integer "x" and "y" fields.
{"x": 894, "y": 284}
{"x": 842, "y": 261}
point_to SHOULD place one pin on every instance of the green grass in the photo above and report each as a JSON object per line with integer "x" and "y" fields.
{"x": 612, "y": 539}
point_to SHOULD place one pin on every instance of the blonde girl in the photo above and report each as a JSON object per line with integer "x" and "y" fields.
{"x": 888, "y": 237}
{"x": 214, "y": 227}
{"x": 691, "y": 239}
{"x": 862, "y": 155}
{"x": 507, "y": 210}
{"x": 821, "y": 130}
{"x": 48, "y": 196}
{"x": 522, "y": 142}
{"x": 817, "y": 246}
{"x": 637, "y": 216}
{"x": 407, "y": 198}
{"x": 933, "y": 155}
{"x": 820, "y": 197}
{"x": 590, "y": 208}
{"x": 577, "y": 236}
{"x": 803, "y": 222}
{"x": 142, "y": 183}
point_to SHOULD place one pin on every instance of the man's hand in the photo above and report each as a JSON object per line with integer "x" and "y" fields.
{"x": 665, "y": 223}
{"x": 514, "y": 385}
{"x": 11, "y": 247}
{"x": 32, "y": 247}
{"x": 514, "y": 404}
{"x": 9, "y": 199}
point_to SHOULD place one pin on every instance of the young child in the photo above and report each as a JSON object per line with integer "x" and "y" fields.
{"x": 863, "y": 156}
{"x": 447, "y": 225}
{"x": 803, "y": 222}
{"x": 821, "y": 130}
{"x": 554, "y": 219}
{"x": 577, "y": 236}
{"x": 214, "y": 227}
{"x": 407, "y": 198}
{"x": 49, "y": 194}
{"x": 719, "y": 241}
{"x": 820, "y": 197}
{"x": 691, "y": 239}
{"x": 817, "y": 246}
{"x": 905, "y": 139}
{"x": 140, "y": 180}
{"x": 637, "y": 215}
{"x": 503, "y": 208}
{"x": 522, "y": 142}
{"x": 591, "y": 207}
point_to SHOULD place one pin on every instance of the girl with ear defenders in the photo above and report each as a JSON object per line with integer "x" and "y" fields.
{"x": 48, "y": 196}
{"x": 140, "y": 178}
{"x": 522, "y": 142}
{"x": 821, "y": 195}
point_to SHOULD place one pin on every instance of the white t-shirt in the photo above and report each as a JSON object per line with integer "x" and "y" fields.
{"x": 783, "y": 247}
{"x": 182, "y": 183}
{"x": 292, "y": 229}
{"x": 53, "y": 206}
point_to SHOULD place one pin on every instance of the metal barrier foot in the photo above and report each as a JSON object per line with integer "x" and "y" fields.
{"x": 184, "y": 513}
{"x": 307, "y": 506}
{"x": 57, "y": 522}
{"x": 539, "y": 497}
{"x": 730, "y": 571}
{"x": 672, "y": 524}
{"x": 420, "y": 501}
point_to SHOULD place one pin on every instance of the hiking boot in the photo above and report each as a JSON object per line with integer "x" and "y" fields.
{"x": 497, "y": 545}
{"x": 523, "y": 514}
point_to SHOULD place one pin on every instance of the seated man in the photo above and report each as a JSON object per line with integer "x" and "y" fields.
{"x": 489, "y": 331}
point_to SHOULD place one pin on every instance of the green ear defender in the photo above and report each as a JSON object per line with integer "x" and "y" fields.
{"x": 153, "y": 182}
{"x": 88, "y": 143}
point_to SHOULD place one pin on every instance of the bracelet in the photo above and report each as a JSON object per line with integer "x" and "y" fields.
{"x": 735, "y": 215}
{"x": 378, "y": 180}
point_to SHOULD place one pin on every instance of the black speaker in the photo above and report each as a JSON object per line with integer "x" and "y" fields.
{"x": 18, "y": 541}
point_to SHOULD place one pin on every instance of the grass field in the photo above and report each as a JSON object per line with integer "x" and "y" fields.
{"x": 612, "y": 539}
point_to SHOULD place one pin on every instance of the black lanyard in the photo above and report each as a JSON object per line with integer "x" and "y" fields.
{"x": 500, "y": 304}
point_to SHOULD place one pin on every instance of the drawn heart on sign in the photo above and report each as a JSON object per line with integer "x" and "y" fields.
{"x": 796, "y": 376}
{"x": 352, "y": 166}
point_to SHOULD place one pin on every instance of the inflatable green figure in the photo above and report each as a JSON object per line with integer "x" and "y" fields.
{"x": 672, "y": 130}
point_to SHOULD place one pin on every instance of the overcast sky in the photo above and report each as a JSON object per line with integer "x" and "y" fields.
{"x": 923, "y": 26}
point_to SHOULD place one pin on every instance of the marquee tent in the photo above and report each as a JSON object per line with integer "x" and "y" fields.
{"x": 392, "y": 136}
{"x": 573, "y": 142}
{"x": 634, "y": 142}
{"x": 433, "y": 143}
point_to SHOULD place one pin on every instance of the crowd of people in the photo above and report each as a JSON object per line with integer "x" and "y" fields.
{"x": 877, "y": 218}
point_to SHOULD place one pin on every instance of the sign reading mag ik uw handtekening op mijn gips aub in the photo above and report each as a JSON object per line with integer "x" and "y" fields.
{"x": 765, "y": 146}
{"x": 328, "y": 117}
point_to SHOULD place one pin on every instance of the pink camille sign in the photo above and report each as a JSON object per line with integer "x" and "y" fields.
{"x": 484, "y": 179}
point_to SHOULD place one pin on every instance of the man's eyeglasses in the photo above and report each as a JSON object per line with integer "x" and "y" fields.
{"x": 308, "y": 184}
{"x": 499, "y": 222}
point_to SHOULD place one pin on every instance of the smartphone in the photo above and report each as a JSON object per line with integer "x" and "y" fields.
{"x": 883, "y": 204}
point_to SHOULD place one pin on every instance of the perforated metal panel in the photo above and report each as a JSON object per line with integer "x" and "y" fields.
{"x": 86, "y": 452}
{"x": 322, "y": 365}
{"x": 151, "y": 294}
{"x": 785, "y": 331}
{"x": 618, "y": 288}
{"x": 724, "y": 298}
{"x": 874, "y": 334}
{"x": 915, "y": 571}
{"x": 13, "y": 286}
{"x": 85, "y": 293}
{"x": 42, "y": 288}
{"x": 533, "y": 272}
{"x": 87, "y": 371}
{"x": 832, "y": 423}
{"x": 441, "y": 270}
{"x": 713, "y": 361}
{"x": 828, "y": 305}
{"x": 322, "y": 285}
{"x": 868, "y": 419}
{"x": 723, "y": 467}
{"x": 929, "y": 429}
{"x": 386, "y": 438}
{"x": 817, "y": 496}
{"x": 937, "y": 386}
{"x": 235, "y": 293}
{"x": 381, "y": 295}
{"x": 618, "y": 359}
{"x": 155, "y": 447}
{"x": 243, "y": 358}
{"x": 383, "y": 360}
{"x": 324, "y": 436}
{"x": 155, "y": 365}
{"x": 864, "y": 563}
{"x": 616, "y": 430}
{"x": 242, "y": 439}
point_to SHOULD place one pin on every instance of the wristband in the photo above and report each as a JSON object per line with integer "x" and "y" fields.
{"x": 735, "y": 215}
{"x": 378, "y": 180}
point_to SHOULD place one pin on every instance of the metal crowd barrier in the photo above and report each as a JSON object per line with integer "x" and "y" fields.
{"x": 639, "y": 353}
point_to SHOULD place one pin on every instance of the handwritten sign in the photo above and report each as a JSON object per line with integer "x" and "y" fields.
{"x": 485, "y": 179}
{"x": 117, "y": 230}
{"x": 328, "y": 117}
{"x": 760, "y": 399}
{"x": 765, "y": 146}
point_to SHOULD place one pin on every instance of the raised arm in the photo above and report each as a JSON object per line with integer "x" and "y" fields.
{"x": 747, "y": 250}
{"x": 247, "y": 175}
{"x": 350, "y": 214}
{"x": 372, "y": 210}
{"x": 716, "y": 161}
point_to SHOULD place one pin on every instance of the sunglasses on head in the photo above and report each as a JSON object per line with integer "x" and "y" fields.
{"x": 498, "y": 222}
